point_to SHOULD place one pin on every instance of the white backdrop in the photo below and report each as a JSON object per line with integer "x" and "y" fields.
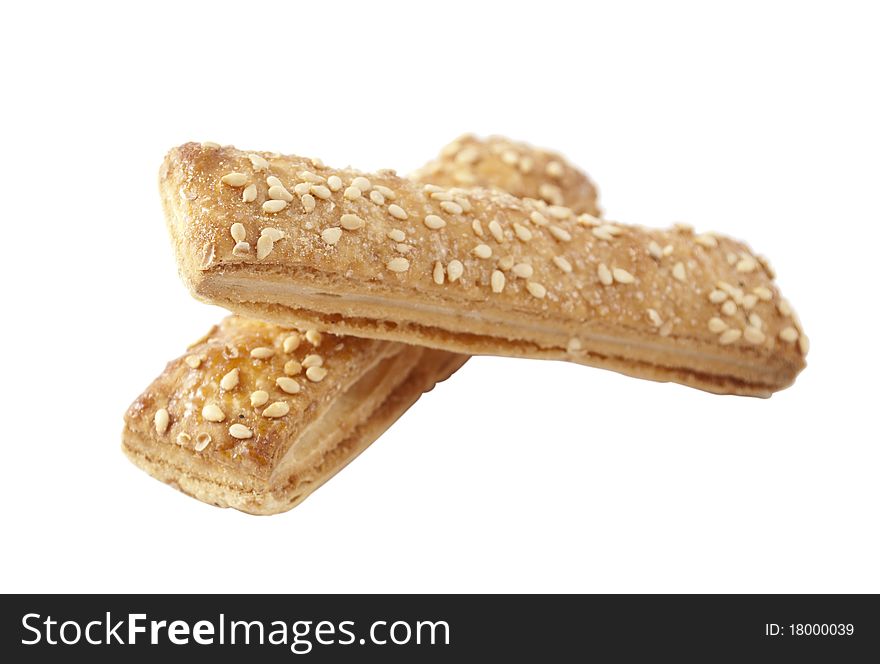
{"x": 760, "y": 120}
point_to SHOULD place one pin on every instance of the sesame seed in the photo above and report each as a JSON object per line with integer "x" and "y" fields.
{"x": 210, "y": 145}
{"x": 308, "y": 202}
{"x": 477, "y": 228}
{"x": 746, "y": 264}
{"x": 377, "y": 198}
{"x": 441, "y": 196}
{"x": 316, "y": 374}
{"x": 497, "y": 281}
{"x": 560, "y": 212}
{"x": 213, "y": 413}
{"x": 717, "y": 296}
{"x": 258, "y": 162}
{"x": 554, "y": 169}
{"x": 161, "y": 420}
{"x": 386, "y": 192}
{"x": 314, "y": 337}
{"x": 716, "y": 325}
{"x": 621, "y": 276}
{"x": 265, "y": 244}
{"x": 308, "y": 176}
{"x": 602, "y": 233}
{"x": 536, "y": 289}
{"x": 789, "y": 334}
{"x": 679, "y": 272}
{"x": 454, "y": 270}
{"x": 259, "y": 398}
{"x": 278, "y": 193}
{"x": 240, "y": 431}
{"x": 551, "y": 193}
{"x": 434, "y": 222}
{"x": 397, "y": 212}
{"x": 276, "y": 409}
{"x": 574, "y": 345}
{"x": 292, "y": 368}
{"x": 728, "y": 308}
{"x": 763, "y": 293}
{"x": 588, "y": 220}
{"x": 202, "y": 441}
{"x": 731, "y": 258}
{"x": 229, "y": 380}
{"x": 249, "y": 195}
{"x": 273, "y": 206}
{"x": 238, "y": 232}
{"x": 496, "y": 231}
{"x": 302, "y": 188}
{"x": 398, "y": 264}
{"x": 273, "y": 233}
{"x": 241, "y": 249}
{"x": 320, "y": 191}
{"x": 291, "y": 342}
{"x": 522, "y": 233}
{"x": 605, "y": 275}
{"x": 272, "y": 181}
{"x": 509, "y": 157}
{"x": 784, "y": 308}
{"x": 396, "y": 235}
{"x": 351, "y": 222}
{"x": 756, "y": 321}
{"x": 352, "y": 193}
{"x": 334, "y": 182}
{"x": 439, "y": 273}
{"x": 467, "y": 156}
{"x": 331, "y": 235}
{"x": 288, "y": 385}
{"x": 804, "y": 344}
{"x": 560, "y": 234}
{"x": 262, "y": 353}
{"x": 183, "y": 438}
{"x": 526, "y": 164}
{"x": 655, "y": 250}
{"x": 538, "y": 219}
{"x": 234, "y": 179}
{"x": 562, "y": 263}
{"x": 361, "y": 183}
{"x": 706, "y": 240}
{"x": 729, "y": 336}
{"x": 753, "y": 335}
{"x": 313, "y": 360}
{"x": 451, "y": 207}
{"x": 749, "y": 301}
{"x": 505, "y": 262}
{"x": 193, "y": 361}
{"x": 482, "y": 251}
{"x": 523, "y": 270}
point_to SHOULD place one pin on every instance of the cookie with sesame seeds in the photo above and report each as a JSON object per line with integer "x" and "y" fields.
{"x": 518, "y": 168}
{"x": 226, "y": 424}
{"x": 599, "y": 293}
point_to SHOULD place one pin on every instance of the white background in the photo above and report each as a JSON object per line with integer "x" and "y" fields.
{"x": 759, "y": 120}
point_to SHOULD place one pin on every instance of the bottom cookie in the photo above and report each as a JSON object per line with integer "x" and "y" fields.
{"x": 257, "y": 416}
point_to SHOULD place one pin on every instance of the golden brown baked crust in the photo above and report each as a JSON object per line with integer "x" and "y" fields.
{"x": 517, "y": 168}
{"x": 211, "y": 424}
{"x": 475, "y": 271}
